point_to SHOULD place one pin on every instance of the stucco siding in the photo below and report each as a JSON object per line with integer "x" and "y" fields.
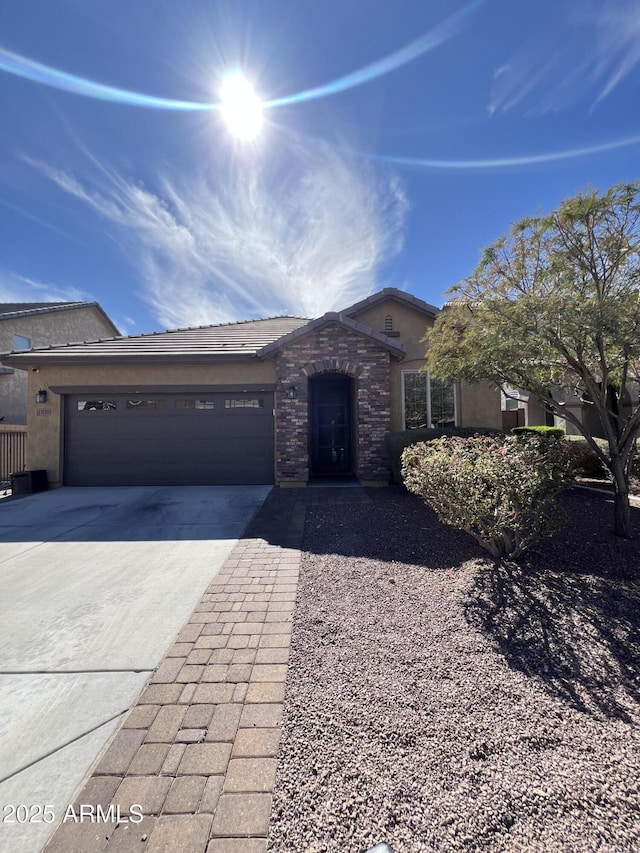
{"x": 411, "y": 325}
{"x": 476, "y": 405}
{"x": 45, "y": 422}
{"x": 479, "y": 405}
{"x": 57, "y": 327}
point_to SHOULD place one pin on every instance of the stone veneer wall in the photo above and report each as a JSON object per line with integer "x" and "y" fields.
{"x": 333, "y": 349}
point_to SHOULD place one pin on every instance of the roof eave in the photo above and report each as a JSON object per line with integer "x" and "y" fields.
{"x": 392, "y": 294}
{"x": 56, "y": 309}
{"x": 25, "y": 360}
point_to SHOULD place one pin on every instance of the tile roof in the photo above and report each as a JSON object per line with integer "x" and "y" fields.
{"x": 202, "y": 343}
{"x": 229, "y": 341}
{"x": 395, "y": 294}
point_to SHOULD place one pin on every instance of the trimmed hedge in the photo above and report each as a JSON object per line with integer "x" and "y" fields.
{"x": 557, "y": 432}
{"x": 396, "y": 442}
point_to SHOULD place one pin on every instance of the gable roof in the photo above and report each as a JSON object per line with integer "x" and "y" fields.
{"x": 398, "y": 350}
{"x": 395, "y": 295}
{"x": 9, "y": 308}
{"x": 223, "y": 342}
{"x": 16, "y": 310}
{"x": 228, "y": 341}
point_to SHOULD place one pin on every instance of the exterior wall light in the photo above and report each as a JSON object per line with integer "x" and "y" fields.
{"x": 41, "y": 396}
{"x": 291, "y": 393}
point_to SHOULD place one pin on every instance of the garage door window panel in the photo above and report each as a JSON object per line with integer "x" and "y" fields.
{"x": 244, "y": 403}
{"x": 195, "y": 405}
{"x": 97, "y": 405}
{"x": 146, "y": 405}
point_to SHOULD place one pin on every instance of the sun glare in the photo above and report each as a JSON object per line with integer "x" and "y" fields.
{"x": 241, "y": 108}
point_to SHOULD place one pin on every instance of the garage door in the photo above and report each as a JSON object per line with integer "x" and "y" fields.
{"x": 169, "y": 439}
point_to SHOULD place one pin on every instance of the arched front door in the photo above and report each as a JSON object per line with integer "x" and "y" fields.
{"x": 331, "y": 424}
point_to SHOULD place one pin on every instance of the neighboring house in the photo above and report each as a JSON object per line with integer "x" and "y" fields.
{"x": 523, "y": 408}
{"x": 27, "y": 325}
{"x": 261, "y": 401}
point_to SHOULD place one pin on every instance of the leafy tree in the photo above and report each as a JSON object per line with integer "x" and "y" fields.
{"x": 554, "y": 307}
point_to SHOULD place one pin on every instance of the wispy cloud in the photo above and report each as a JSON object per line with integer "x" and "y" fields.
{"x": 126, "y": 325}
{"x": 304, "y": 238}
{"x": 19, "y": 288}
{"x": 582, "y": 55}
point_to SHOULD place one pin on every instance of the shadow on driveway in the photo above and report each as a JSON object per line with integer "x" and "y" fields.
{"x": 130, "y": 513}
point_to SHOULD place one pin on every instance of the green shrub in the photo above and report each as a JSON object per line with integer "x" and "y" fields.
{"x": 499, "y": 489}
{"x": 589, "y": 465}
{"x": 396, "y": 442}
{"x": 586, "y": 462}
{"x": 539, "y": 430}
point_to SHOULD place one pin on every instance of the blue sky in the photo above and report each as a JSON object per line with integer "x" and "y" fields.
{"x": 403, "y": 137}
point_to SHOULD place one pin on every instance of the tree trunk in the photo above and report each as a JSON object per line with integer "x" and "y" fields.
{"x": 621, "y": 507}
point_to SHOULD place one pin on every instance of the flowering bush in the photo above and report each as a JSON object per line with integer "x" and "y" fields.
{"x": 499, "y": 489}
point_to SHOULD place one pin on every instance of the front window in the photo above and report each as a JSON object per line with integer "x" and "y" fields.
{"x": 428, "y": 402}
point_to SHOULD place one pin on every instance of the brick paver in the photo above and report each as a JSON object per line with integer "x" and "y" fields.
{"x": 198, "y": 752}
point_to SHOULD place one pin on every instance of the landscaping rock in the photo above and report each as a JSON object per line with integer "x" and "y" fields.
{"x": 437, "y": 701}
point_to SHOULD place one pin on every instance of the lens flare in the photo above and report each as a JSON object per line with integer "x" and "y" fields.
{"x": 507, "y": 162}
{"x": 240, "y": 108}
{"x": 20, "y": 66}
{"x": 449, "y": 28}
{"x": 28, "y": 69}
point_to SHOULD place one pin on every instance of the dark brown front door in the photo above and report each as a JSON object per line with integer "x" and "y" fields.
{"x": 331, "y": 425}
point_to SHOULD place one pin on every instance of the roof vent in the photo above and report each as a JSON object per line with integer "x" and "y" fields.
{"x": 388, "y": 323}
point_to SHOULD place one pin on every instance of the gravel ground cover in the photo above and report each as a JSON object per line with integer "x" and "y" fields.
{"x": 439, "y": 702}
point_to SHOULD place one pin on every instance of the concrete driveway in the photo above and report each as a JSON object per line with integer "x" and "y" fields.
{"x": 95, "y": 583}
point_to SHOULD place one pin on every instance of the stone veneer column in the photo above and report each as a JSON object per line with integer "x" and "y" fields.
{"x": 332, "y": 349}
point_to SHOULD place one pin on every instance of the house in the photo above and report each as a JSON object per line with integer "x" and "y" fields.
{"x": 27, "y": 325}
{"x": 277, "y": 400}
{"x": 524, "y": 408}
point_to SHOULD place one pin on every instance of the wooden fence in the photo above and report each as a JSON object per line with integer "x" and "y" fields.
{"x": 13, "y": 450}
{"x": 512, "y": 418}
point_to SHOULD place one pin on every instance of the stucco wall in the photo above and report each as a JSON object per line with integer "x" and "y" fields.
{"x": 476, "y": 405}
{"x": 479, "y": 405}
{"x": 412, "y": 326}
{"x": 45, "y": 423}
{"x": 55, "y": 327}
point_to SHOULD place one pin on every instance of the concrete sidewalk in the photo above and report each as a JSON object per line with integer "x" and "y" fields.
{"x": 96, "y": 583}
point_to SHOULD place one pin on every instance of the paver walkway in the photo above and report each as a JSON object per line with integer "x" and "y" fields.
{"x": 198, "y": 752}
